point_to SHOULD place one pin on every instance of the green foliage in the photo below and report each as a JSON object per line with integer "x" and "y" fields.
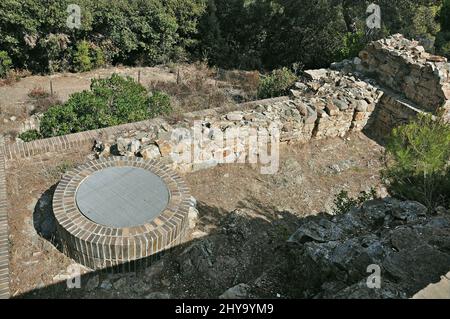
{"x": 112, "y": 101}
{"x": 343, "y": 202}
{"x": 30, "y": 135}
{"x": 352, "y": 44}
{"x": 159, "y": 104}
{"x": 36, "y": 36}
{"x": 276, "y": 83}
{"x": 5, "y": 63}
{"x": 99, "y": 58}
{"x": 81, "y": 59}
{"x": 418, "y": 163}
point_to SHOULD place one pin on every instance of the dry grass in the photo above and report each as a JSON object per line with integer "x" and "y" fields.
{"x": 14, "y": 76}
{"x": 195, "y": 89}
{"x": 42, "y": 99}
{"x": 198, "y": 87}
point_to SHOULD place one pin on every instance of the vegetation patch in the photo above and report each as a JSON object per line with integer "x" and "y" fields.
{"x": 112, "y": 101}
{"x": 418, "y": 162}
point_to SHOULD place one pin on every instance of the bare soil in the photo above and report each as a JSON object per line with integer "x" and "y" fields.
{"x": 245, "y": 218}
{"x": 192, "y": 87}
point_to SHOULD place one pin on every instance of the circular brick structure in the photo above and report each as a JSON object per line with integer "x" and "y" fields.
{"x": 101, "y": 235}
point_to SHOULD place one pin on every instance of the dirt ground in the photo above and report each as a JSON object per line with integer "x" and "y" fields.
{"x": 191, "y": 86}
{"x": 244, "y": 216}
{"x": 14, "y": 100}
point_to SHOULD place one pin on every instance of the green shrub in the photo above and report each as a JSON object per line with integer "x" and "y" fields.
{"x": 58, "y": 120}
{"x": 418, "y": 162}
{"x": 5, "y": 63}
{"x": 98, "y": 58}
{"x": 352, "y": 44}
{"x": 276, "y": 84}
{"x": 30, "y": 135}
{"x": 81, "y": 59}
{"x": 159, "y": 104}
{"x": 112, "y": 101}
{"x": 343, "y": 202}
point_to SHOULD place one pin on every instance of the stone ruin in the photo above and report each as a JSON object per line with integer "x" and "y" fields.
{"x": 393, "y": 80}
{"x": 390, "y": 82}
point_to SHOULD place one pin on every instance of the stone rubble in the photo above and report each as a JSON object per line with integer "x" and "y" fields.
{"x": 331, "y": 105}
{"x": 405, "y": 67}
{"x": 410, "y": 245}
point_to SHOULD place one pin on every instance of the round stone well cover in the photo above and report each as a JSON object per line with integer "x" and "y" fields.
{"x": 122, "y": 196}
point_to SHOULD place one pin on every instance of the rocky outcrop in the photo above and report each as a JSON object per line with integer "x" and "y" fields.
{"x": 331, "y": 255}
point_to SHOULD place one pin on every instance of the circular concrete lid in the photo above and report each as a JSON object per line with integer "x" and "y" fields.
{"x": 122, "y": 197}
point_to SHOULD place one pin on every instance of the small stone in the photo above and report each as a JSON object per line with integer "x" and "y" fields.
{"x": 235, "y": 116}
{"x": 92, "y": 283}
{"x": 237, "y": 292}
{"x": 192, "y": 217}
{"x": 157, "y": 295}
{"x": 165, "y": 148}
{"x": 106, "y": 284}
{"x": 150, "y": 152}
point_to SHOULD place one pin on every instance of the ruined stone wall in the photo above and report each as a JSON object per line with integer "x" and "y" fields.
{"x": 403, "y": 66}
{"x": 331, "y": 105}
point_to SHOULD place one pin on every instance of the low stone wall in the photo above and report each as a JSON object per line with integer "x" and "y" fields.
{"x": 332, "y": 106}
{"x": 391, "y": 111}
{"x": 4, "y": 240}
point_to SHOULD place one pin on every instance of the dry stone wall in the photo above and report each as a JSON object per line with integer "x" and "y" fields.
{"x": 331, "y": 105}
{"x": 403, "y": 66}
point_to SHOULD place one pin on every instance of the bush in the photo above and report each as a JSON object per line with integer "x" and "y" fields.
{"x": 159, "y": 104}
{"x": 81, "y": 59}
{"x": 5, "y": 63}
{"x": 418, "y": 166}
{"x": 30, "y": 135}
{"x": 343, "y": 202}
{"x": 276, "y": 84}
{"x": 98, "y": 58}
{"x": 352, "y": 44}
{"x": 112, "y": 101}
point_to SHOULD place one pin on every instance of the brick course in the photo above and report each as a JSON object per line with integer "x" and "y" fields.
{"x": 4, "y": 240}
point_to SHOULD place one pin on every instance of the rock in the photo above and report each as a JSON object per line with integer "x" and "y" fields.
{"x": 362, "y": 106}
{"x": 134, "y": 146}
{"x": 235, "y": 116}
{"x": 120, "y": 283}
{"x": 123, "y": 145}
{"x": 157, "y": 295}
{"x": 192, "y": 217}
{"x": 341, "y": 105}
{"x": 320, "y": 231}
{"x": 92, "y": 283}
{"x": 204, "y": 165}
{"x": 106, "y": 284}
{"x": 150, "y": 152}
{"x": 165, "y": 147}
{"x": 240, "y": 291}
